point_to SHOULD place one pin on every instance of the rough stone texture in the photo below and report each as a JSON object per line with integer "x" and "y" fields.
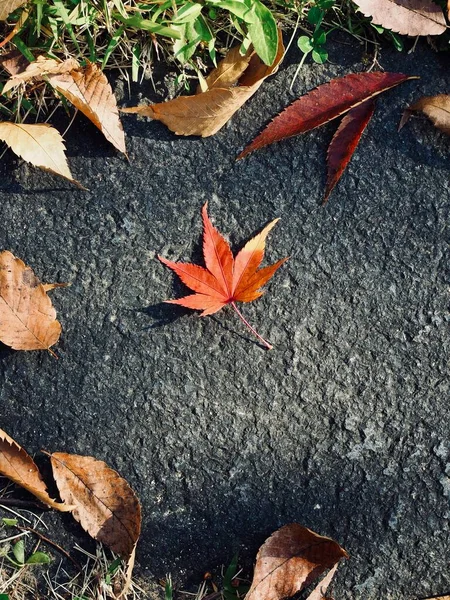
{"x": 344, "y": 426}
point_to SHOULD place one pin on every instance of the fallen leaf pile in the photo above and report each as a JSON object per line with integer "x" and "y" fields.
{"x": 226, "y": 89}
{"x": 350, "y": 94}
{"x": 226, "y": 279}
{"x": 436, "y": 108}
{"x": 27, "y": 317}
{"x": 290, "y": 560}
{"x": 87, "y": 88}
{"x": 98, "y": 498}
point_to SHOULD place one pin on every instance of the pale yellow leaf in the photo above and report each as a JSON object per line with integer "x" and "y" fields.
{"x": 408, "y": 17}
{"x": 41, "y": 145}
{"x": 89, "y": 91}
{"x": 206, "y": 112}
{"x": 7, "y": 7}
{"x": 17, "y": 465}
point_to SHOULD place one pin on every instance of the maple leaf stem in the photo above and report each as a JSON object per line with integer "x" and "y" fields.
{"x": 244, "y": 320}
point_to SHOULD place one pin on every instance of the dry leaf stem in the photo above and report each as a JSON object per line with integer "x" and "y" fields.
{"x": 244, "y": 320}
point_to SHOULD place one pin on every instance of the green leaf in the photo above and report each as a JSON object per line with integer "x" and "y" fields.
{"x": 378, "y": 28}
{"x": 396, "y": 40}
{"x": 264, "y": 33}
{"x": 116, "y": 38}
{"x": 319, "y": 55}
{"x": 242, "y": 10}
{"x": 9, "y": 522}
{"x": 137, "y": 22}
{"x": 325, "y": 4}
{"x": 315, "y": 15}
{"x": 38, "y": 558}
{"x": 4, "y": 597}
{"x": 19, "y": 551}
{"x": 319, "y": 37}
{"x": 188, "y": 13}
{"x": 305, "y": 44}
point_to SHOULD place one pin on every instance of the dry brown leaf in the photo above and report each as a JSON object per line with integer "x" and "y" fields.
{"x": 7, "y": 7}
{"x": 27, "y": 317}
{"x": 289, "y": 560}
{"x": 106, "y": 506}
{"x": 17, "y": 465}
{"x": 206, "y": 112}
{"x": 14, "y": 62}
{"x": 436, "y": 108}
{"x": 408, "y": 17}
{"x": 128, "y": 575}
{"x": 41, "y": 145}
{"x": 320, "y": 590}
{"x": 40, "y": 68}
{"x": 89, "y": 91}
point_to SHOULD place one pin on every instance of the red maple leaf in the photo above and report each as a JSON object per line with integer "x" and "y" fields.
{"x": 226, "y": 279}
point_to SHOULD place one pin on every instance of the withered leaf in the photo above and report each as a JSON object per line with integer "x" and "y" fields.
{"x": 289, "y": 560}
{"x": 17, "y": 465}
{"x": 89, "y": 91}
{"x": 320, "y": 590}
{"x": 408, "y": 17}
{"x": 14, "y": 62}
{"x": 27, "y": 317}
{"x": 345, "y": 141}
{"x": 323, "y": 104}
{"x": 38, "y": 69}
{"x": 105, "y": 505}
{"x": 8, "y": 6}
{"x": 207, "y": 111}
{"x": 41, "y": 145}
{"x": 436, "y": 108}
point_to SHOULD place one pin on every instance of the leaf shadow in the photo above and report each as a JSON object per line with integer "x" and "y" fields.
{"x": 164, "y": 314}
{"x": 5, "y": 351}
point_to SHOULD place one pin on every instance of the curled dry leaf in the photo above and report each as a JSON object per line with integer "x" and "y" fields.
{"x": 17, "y": 465}
{"x": 41, "y": 145}
{"x": 38, "y": 70}
{"x": 323, "y": 104}
{"x": 105, "y": 505}
{"x": 7, "y": 7}
{"x": 27, "y": 317}
{"x": 345, "y": 141}
{"x": 290, "y": 560}
{"x": 207, "y": 111}
{"x": 436, "y": 108}
{"x": 408, "y": 17}
{"x": 89, "y": 91}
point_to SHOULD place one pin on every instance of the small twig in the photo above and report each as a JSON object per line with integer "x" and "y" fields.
{"x": 52, "y": 543}
{"x": 244, "y": 320}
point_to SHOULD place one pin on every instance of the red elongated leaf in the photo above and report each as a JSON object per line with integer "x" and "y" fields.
{"x": 289, "y": 560}
{"x": 436, "y": 108}
{"x": 408, "y": 17}
{"x": 323, "y": 104}
{"x": 345, "y": 141}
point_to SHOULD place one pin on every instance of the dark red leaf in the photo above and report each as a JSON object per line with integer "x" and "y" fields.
{"x": 345, "y": 141}
{"x": 324, "y": 104}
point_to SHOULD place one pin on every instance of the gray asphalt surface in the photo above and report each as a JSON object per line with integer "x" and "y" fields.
{"x": 344, "y": 426}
